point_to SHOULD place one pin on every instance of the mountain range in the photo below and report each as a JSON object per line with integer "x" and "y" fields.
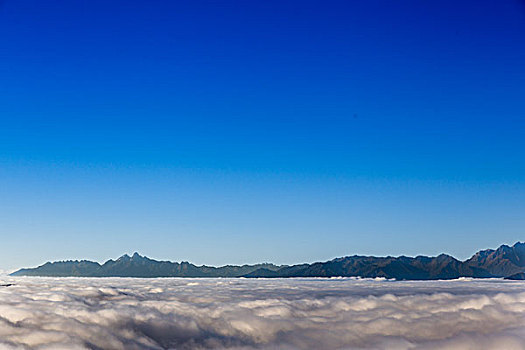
{"x": 506, "y": 261}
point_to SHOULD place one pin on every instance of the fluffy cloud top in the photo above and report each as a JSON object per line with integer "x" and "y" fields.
{"x": 117, "y": 313}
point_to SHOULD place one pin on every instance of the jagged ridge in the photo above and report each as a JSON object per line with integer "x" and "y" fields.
{"x": 503, "y": 262}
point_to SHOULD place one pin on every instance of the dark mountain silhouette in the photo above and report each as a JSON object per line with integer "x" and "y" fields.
{"x": 419, "y": 268}
{"x": 517, "y": 276}
{"x": 503, "y": 262}
{"x": 137, "y": 266}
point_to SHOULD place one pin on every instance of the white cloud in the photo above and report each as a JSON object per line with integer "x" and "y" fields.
{"x": 113, "y": 313}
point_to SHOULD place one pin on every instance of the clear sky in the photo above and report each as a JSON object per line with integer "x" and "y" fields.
{"x": 247, "y": 131}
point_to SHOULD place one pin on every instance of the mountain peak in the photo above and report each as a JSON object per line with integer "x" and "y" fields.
{"x": 135, "y": 256}
{"x": 124, "y": 257}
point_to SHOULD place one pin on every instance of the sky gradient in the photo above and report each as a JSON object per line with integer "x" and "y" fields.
{"x": 239, "y": 132}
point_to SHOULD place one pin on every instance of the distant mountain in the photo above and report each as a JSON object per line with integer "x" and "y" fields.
{"x": 517, "y": 276}
{"x": 405, "y": 268}
{"x": 503, "y": 262}
{"x": 137, "y": 266}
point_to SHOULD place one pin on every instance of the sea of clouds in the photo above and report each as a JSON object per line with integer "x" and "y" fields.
{"x": 173, "y": 313}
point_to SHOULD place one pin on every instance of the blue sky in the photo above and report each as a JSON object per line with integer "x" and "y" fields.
{"x": 239, "y": 132}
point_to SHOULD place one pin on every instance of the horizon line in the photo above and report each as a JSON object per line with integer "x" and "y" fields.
{"x": 262, "y": 263}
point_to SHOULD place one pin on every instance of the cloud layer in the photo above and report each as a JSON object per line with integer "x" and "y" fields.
{"x": 118, "y": 313}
